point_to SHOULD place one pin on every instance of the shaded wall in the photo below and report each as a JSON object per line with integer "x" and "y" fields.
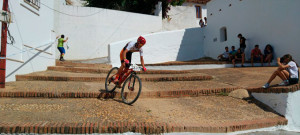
{"x": 262, "y": 22}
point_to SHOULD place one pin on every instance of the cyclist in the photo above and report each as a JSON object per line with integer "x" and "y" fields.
{"x": 126, "y": 53}
{"x": 60, "y": 46}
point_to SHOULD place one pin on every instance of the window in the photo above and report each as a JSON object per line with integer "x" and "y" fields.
{"x": 198, "y": 12}
{"x": 223, "y": 34}
{"x": 34, "y": 3}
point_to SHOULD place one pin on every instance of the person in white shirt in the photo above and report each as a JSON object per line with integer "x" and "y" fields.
{"x": 224, "y": 56}
{"x": 287, "y": 71}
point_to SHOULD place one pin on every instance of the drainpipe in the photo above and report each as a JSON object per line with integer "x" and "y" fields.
{"x": 3, "y": 47}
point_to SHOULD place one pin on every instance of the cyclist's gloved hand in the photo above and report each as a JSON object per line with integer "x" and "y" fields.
{"x": 126, "y": 61}
{"x": 144, "y": 69}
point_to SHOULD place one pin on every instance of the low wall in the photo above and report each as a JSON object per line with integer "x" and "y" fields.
{"x": 179, "y": 45}
{"x": 286, "y": 104}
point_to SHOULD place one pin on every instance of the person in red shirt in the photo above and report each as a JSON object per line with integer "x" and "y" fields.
{"x": 256, "y": 55}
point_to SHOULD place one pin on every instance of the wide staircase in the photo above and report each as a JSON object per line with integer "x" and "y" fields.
{"x": 71, "y": 98}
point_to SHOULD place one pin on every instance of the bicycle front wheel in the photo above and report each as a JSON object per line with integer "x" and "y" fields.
{"x": 109, "y": 85}
{"x": 131, "y": 89}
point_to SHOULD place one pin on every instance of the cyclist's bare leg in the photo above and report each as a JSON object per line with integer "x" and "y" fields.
{"x": 120, "y": 71}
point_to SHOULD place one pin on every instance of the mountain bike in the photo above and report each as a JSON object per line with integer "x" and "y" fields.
{"x": 132, "y": 86}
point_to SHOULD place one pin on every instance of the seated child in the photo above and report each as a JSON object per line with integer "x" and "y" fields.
{"x": 268, "y": 54}
{"x": 232, "y": 53}
{"x": 224, "y": 56}
{"x": 239, "y": 56}
{"x": 256, "y": 55}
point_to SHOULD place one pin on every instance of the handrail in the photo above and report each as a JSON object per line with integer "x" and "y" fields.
{"x": 38, "y": 49}
{"x": 12, "y": 59}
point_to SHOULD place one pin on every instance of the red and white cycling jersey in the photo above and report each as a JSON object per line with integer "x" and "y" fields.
{"x": 131, "y": 48}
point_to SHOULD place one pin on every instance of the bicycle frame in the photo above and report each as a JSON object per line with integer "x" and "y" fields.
{"x": 125, "y": 74}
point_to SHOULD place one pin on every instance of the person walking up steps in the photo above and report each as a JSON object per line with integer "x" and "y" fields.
{"x": 60, "y": 46}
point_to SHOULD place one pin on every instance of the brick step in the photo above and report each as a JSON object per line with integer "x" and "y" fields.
{"x": 137, "y": 127}
{"x": 98, "y": 79}
{"x": 74, "y": 64}
{"x": 106, "y": 70}
{"x": 178, "y": 63}
{"x": 96, "y": 93}
{"x": 86, "y": 77}
{"x": 116, "y": 94}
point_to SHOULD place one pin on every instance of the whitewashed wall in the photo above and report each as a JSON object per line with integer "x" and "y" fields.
{"x": 90, "y": 30}
{"x": 286, "y": 104}
{"x": 180, "y": 45}
{"x": 34, "y": 28}
{"x": 262, "y": 22}
{"x": 182, "y": 17}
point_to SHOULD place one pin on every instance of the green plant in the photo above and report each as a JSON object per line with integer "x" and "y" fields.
{"x": 223, "y": 94}
{"x": 137, "y": 6}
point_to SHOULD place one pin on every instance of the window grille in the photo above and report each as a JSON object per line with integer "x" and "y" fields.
{"x": 34, "y": 3}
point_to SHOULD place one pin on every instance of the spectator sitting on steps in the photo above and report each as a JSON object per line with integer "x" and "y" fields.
{"x": 232, "y": 53}
{"x": 268, "y": 54}
{"x": 239, "y": 56}
{"x": 256, "y": 55}
{"x": 287, "y": 70}
{"x": 224, "y": 56}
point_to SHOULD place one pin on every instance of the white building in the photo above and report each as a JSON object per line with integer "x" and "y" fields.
{"x": 261, "y": 22}
{"x": 32, "y": 27}
{"x": 186, "y": 16}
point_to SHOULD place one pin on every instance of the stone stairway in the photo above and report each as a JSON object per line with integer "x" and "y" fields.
{"x": 68, "y": 82}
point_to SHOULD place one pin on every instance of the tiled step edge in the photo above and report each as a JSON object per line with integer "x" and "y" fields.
{"x": 103, "y": 94}
{"x": 97, "y": 79}
{"x": 137, "y": 127}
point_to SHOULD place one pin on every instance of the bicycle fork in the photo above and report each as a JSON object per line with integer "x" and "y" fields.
{"x": 132, "y": 87}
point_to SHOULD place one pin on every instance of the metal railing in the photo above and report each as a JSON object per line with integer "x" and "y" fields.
{"x": 34, "y": 3}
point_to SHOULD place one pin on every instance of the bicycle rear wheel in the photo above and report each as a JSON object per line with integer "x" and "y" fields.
{"x": 109, "y": 85}
{"x": 131, "y": 89}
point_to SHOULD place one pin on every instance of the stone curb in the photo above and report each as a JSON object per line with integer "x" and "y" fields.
{"x": 93, "y": 70}
{"x": 103, "y": 94}
{"x": 97, "y": 79}
{"x": 137, "y": 127}
{"x": 277, "y": 89}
